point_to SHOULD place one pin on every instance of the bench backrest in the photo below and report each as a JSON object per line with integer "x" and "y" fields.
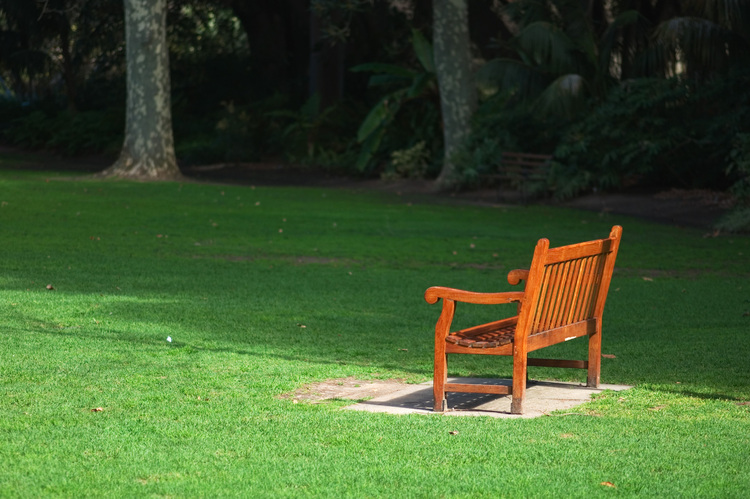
{"x": 569, "y": 284}
{"x": 524, "y": 158}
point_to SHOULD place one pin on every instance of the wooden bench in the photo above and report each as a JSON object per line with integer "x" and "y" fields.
{"x": 563, "y": 299}
{"x": 519, "y": 170}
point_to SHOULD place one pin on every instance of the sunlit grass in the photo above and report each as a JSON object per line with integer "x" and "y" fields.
{"x": 232, "y": 274}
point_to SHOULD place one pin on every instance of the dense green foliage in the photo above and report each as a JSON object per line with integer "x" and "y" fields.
{"x": 625, "y": 95}
{"x": 658, "y": 133}
{"x": 739, "y": 169}
{"x": 231, "y": 274}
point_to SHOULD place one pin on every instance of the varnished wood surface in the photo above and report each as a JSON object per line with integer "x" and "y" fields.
{"x": 565, "y": 291}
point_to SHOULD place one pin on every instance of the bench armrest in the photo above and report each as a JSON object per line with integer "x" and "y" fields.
{"x": 432, "y": 295}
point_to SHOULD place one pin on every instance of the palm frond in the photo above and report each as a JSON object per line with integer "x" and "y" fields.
{"x": 525, "y": 12}
{"x": 547, "y": 47}
{"x": 565, "y": 97}
{"x": 611, "y": 44}
{"x": 575, "y": 22}
{"x": 423, "y": 50}
{"x": 511, "y": 77}
{"x": 700, "y": 44}
{"x": 733, "y": 15}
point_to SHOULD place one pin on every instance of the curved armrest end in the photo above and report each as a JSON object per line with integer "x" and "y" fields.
{"x": 433, "y": 294}
{"x": 516, "y": 276}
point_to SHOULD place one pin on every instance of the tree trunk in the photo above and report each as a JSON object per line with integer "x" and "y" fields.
{"x": 458, "y": 96}
{"x": 148, "y": 149}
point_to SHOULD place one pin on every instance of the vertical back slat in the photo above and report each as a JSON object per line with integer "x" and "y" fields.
{"x": 586, "y": 309}
{"x": 577, "y": 293}
{"x": 558, "y": 296}
{"x": 583, "y": 309}
{"x": 569, "y": 283}
{"x": 548, "y": 286}
{"x": 562, "y": 294}
{"x": 568, "y": 292}
{"x": 538, "y": 304}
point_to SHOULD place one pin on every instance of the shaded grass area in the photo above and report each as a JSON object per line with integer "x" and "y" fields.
{"x": 265, "y": 289}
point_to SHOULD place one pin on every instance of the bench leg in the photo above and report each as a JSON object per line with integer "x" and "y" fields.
{"x": 439, "y": 379}
{"x": 441, "y": 363}
{"x": 595, "y": 358}
{"x": 520, "y": 372}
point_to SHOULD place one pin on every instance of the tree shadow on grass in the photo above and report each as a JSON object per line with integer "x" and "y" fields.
{"x": 685, "y": 392}
{"x": 310, "y": 355}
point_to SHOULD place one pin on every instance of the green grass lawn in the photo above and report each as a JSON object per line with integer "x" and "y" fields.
{"x": 231, "y": 274}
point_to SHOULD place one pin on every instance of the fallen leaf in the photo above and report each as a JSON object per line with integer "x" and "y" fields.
{"x": 609, "y": 356}
{"x": 403, "y": 349}
{"x": 301, "y": 325}
{"x": 609, "y": 484}
{"x": 98, "y": 409}
{"x": 50, "y": 287}
{"x": 715, "y": 233}
{"x": 743, "y": 403}
{"x": 657, "y": 408}
{"x": 647, "y": 279}
{"x": 453, "y": 433}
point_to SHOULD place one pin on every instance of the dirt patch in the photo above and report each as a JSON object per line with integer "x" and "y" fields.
{"x": 345, "y": 388}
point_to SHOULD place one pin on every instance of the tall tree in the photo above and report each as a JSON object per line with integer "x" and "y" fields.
{"x": 148, "y": 148}
{"x": 458, "y": 97}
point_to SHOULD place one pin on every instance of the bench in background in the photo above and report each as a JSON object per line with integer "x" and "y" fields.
{"x": 520, "y": 170}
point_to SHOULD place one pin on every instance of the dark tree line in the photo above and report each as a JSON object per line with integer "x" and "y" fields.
{"x": 620, "y": 91}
